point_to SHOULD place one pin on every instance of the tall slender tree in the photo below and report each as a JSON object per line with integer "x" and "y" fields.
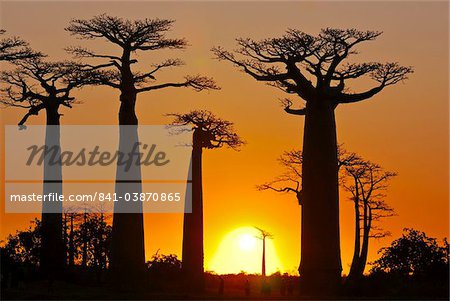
{"x": 129, "y": 37}
{"x": 367, "y": 183}
{"x": 364, "y": 180}
{"x": 314, "y": 68}
{"x": 209, "y": 132}
{"x": 263, "y": 235}
{"x": 39, "y": 85}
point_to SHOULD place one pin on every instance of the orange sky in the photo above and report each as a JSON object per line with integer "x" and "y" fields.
{"x": 405, "y": 128}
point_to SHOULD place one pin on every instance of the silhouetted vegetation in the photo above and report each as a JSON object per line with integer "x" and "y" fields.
{"x": 367, "y": 183}
{"x": 164, "y": 272}
{"x": 290, "y": 180}
{"x": 288, "y": 63}
{"x": 37, "y": 84}
{"x": 24, "y": 247}
{"x": 86, "y": 250}
{"x": 209, "y": 132}
{"x": 14, "y": 48}
{"x": 414, "y": 266}
{"x": 90, "y": 256}
{"x": 87, "y": 239}
{"x": 263, "y": 235}
{"x": 40, "y": 85}
{"x": 130, "y": 37}
{"x": 414, "y": 254}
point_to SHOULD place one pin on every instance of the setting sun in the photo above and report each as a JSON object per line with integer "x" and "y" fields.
{"x": 247, "y": 242}
{"x": 241, "y": 251}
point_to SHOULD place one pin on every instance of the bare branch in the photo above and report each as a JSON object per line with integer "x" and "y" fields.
{"x": 150, "y": 75}
{"x": 391, "y": 73}
{"x": 386, "y": 74}
{"x": 80, "y": 52}
{"x": 34, "y": 110}
{"x": 287, "y": 103}
{"x": 37, "y": 84}
{"x": 197, "y": 82}
{"x": 14, "y": 48}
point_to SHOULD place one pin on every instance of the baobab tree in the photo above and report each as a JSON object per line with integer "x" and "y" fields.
{"x": 364, "y": 180}
{"x": 209, "y": 132}
{"x": 317, "y": 70}
{"x": 38, "y": 85}
{"x": 263, "y": 234}
{"x": 367, "y": 183}
{"x": 129, "y": 37}
{"x": 14, "y": 48}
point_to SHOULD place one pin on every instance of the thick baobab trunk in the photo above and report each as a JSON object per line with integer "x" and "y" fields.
{"x": 192, "y": 254}
{"x": 127, "y": 247}
{"x": 263, "y": 272}
{"x": 320, "y": 267}
{"x": 52, "y": 253}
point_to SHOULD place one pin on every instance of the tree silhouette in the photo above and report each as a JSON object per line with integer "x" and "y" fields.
{"x": 25, "y": 246}
{"x": 368, "y": 181}
{"x": 13, "y": 48}
{"x": 314, "y": 69}
{"x": 23, "y": 249}
{"x": 367, "y": 185}
{"x": 209, "y": 132}
{"x": 290, "y": 180}
{"x": 92, "y": 242}
{"x": 263, "y": 235}
{"x": 164, "y": 270}
{"x": 39, "y": 85}
{"x": 414, "y": 254}
{"x": 130, "y": 37}
{"x": 88, "y": 234}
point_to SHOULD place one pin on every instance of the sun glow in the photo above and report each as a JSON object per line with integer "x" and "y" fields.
{"x": 247, "y": 242}
{"x": 241, "y": 250}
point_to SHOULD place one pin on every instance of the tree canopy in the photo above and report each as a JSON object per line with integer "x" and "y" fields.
{"x": 36, "y": 84}
{"x": 367, "y": 183}
{"x": 217, "y": 132}
{"x": 131, "y": 36}
{"x": 413, "y": 254}
{"x": 14, "y": 48}
{"x": 313, "y": 67}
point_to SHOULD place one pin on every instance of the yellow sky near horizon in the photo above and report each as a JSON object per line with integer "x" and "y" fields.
{"x": 405, "y": 128}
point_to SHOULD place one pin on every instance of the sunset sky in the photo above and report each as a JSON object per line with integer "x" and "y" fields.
{"x": 404, "y": 128}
